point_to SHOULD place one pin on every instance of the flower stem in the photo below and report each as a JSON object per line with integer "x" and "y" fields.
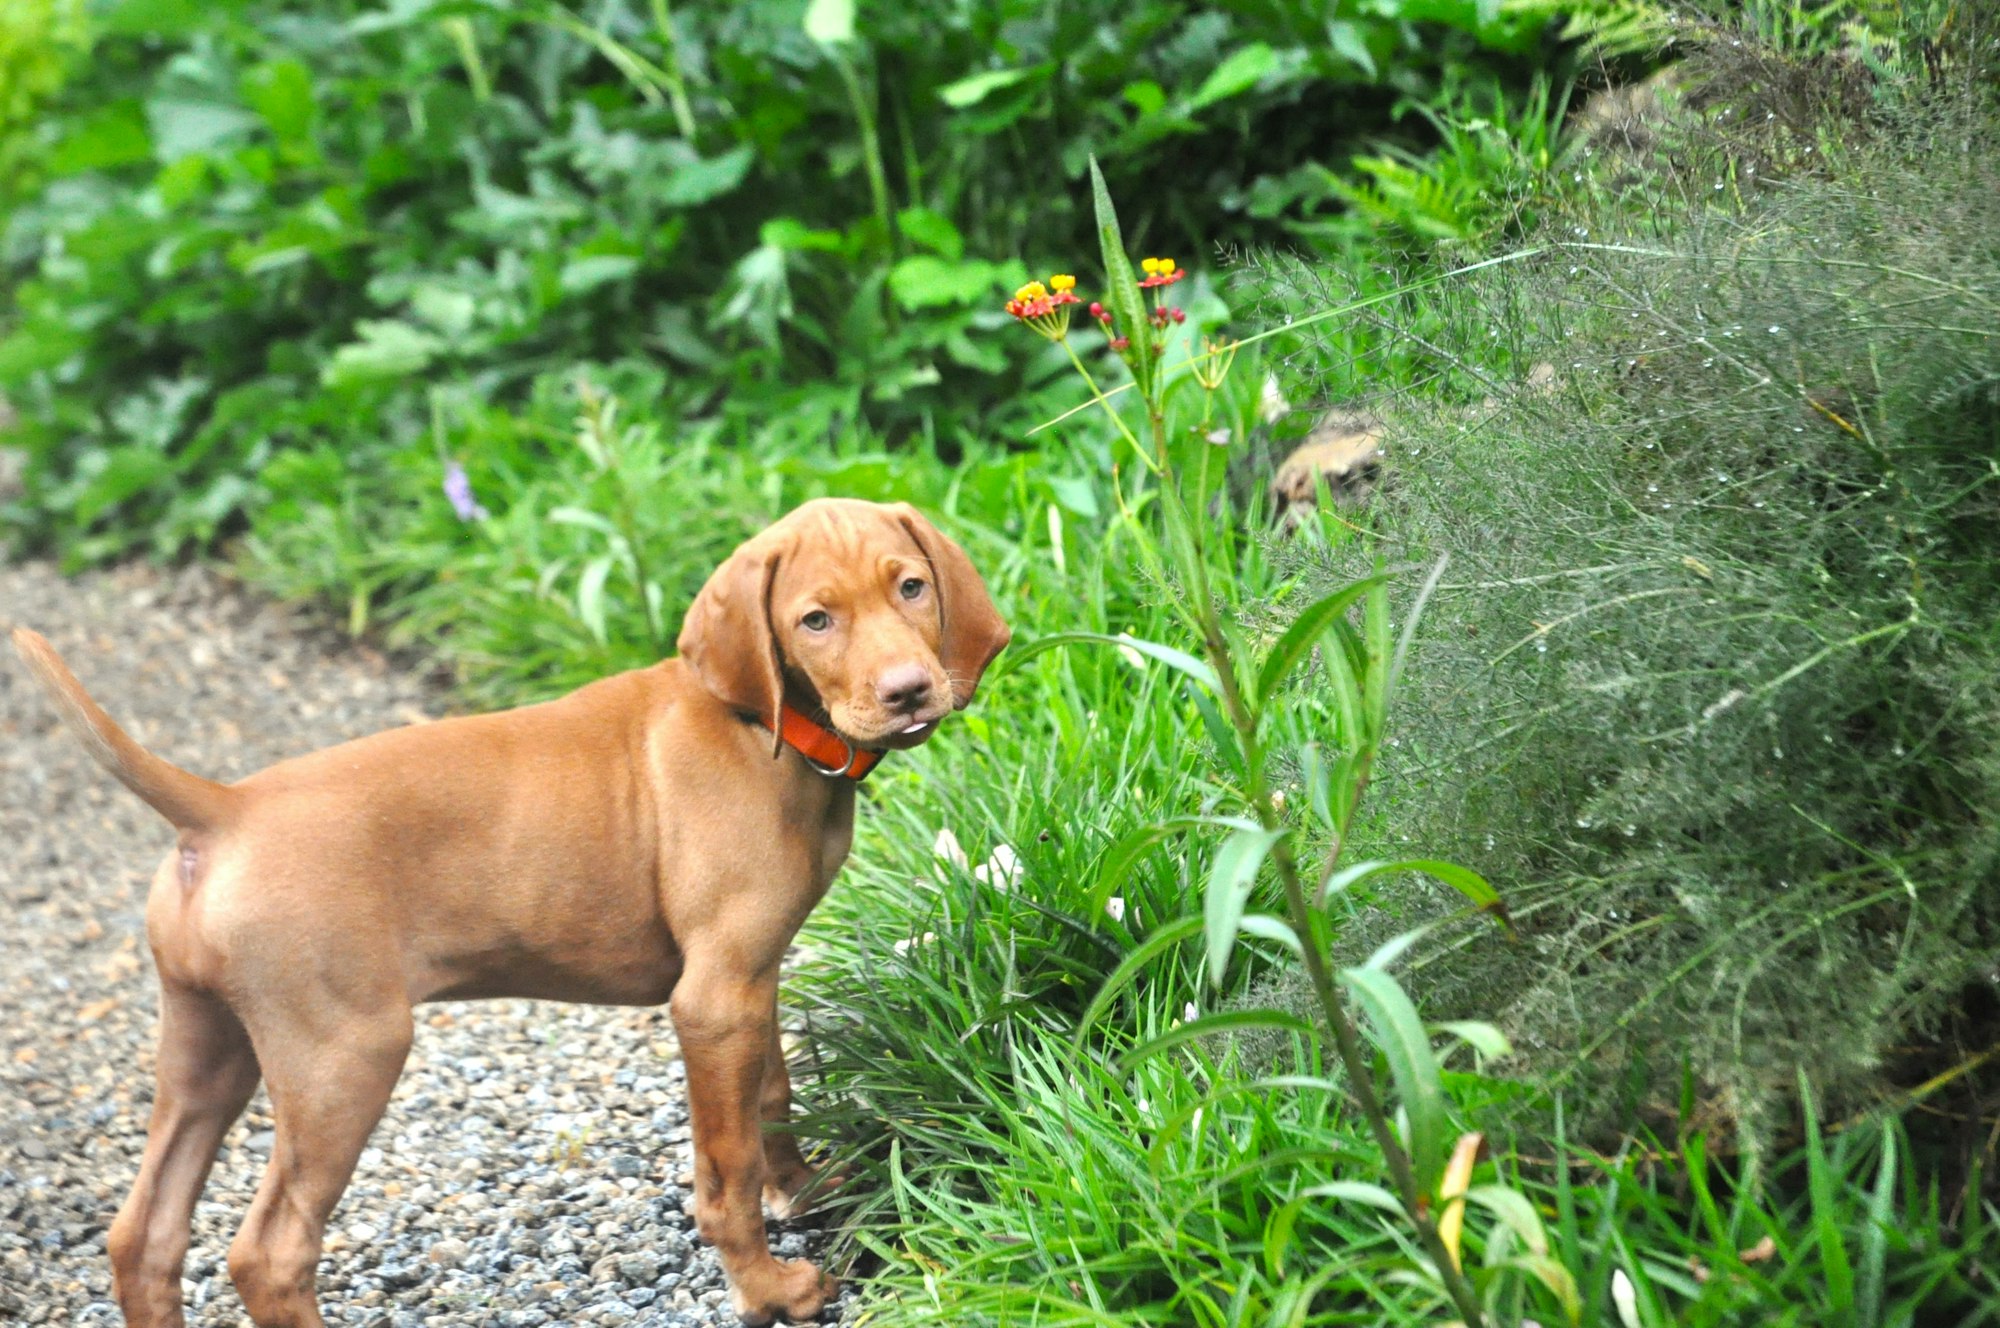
{"x": 1097, "y": 395}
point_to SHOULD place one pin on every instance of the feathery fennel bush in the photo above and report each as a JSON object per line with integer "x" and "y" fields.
{"x": 1715, "y": 682}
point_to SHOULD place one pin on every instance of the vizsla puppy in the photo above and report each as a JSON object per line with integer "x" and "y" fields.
{"x": 656, "y": 836}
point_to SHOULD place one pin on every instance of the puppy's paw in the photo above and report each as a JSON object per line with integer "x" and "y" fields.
{"x": 797, "y": 1191}
{"x": 795, "y": 1291}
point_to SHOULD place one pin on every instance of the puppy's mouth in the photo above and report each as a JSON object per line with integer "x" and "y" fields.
{"x": 901, "y": 732}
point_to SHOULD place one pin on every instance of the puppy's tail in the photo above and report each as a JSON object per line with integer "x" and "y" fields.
{"x": 189, "y": 801}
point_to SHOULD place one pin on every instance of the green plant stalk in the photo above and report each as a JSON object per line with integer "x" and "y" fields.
{"x": 1346, "y": 1036}
{"x": 677, "y": 96}
{"x": 871, "y": 145}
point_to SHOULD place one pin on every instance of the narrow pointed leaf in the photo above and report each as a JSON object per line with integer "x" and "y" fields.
{"x": 1375, "y": 626}
{"x": 1121, "y": 287}
{"x": 1553, "y": 1275}
{"x": 1875, "y": 1235}
{"x": 1481, "y": 1036}
{"x": 1131, "y": 966}
{"x": 1267, "y": 928}
{"x": 1305, "y": 631}
{"x": 1415, "y": 616}
{"x": 1229, "y": 880}
{"x": 1177, "y": 659}
{"x": 1234, "y": 1021}
{"x": 1314, "y": 774}
{"x": 1462, "y": 879}
{"x": 1118, "y": 860}
{"x": 1413, "y": 1066}
{"x": 1512, "y": 1207}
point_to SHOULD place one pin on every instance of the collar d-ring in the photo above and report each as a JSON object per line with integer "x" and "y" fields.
{"x": 826, "y": 751}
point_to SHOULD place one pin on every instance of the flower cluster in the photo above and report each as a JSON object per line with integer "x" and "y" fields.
{"x": 1045, "y": 308}
{"x": 1161, "y": 273}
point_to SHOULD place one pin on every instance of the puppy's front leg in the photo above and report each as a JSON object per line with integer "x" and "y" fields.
{"x": 726, "y": 1028}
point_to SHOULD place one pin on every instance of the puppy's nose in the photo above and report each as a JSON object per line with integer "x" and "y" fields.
{"x": 905, "y": 687}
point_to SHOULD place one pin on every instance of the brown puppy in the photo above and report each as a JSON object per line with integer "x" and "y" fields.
{"x": 647, "y": 838}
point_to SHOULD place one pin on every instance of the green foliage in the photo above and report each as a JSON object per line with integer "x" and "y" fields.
{"x": 497, "y": 325}
{"x": 266, "y": 229}
{"x": 1492, "y": 168}
{"x": 1712, "y": 679}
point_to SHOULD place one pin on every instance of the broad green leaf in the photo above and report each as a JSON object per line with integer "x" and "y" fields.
{"x": 1235, "y": 75}
{"x": 1413, "y": 1066}
{"x": 1145, "y": 96}
{"x": 40, "y": 344}
{"x": 449, "y": 311}
{"x": 1553, "y": 1275}
{"x": 1375, "y": 634}
{"x": 698, "y": 181}
{"x": 1267, "y": 928}
{"x": 925, "y": 281}
{"x": 123, "y": 472}
{"x": 388, "y": 349}
{"x": 1346, "y": 39}
{"x": 281, "y": 91}
{"x": 1234, "y": 1021}
{"x": 104, "y": 139}
{"x": 932, "y": 230}
{"x": 1314, "y": 775}
{"x": 1298, "y": 639}
{"x": 791, "y": 233}
{"x": 830, "y": 21}
{"x": 587, "y": 274}
{"x": 1344, "y": 680}
{"x": 975, "y": 88}
{"x": 182, "y": 126}
{"x": 1385, "y": 955}
{"x": 579, "y": 516}
{"x": 1230, "y": 877}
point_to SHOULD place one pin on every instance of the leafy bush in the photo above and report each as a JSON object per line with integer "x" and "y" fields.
{"x": 265, "y": 228}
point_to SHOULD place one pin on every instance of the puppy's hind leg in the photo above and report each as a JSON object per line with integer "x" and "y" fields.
{"x": 330, "y": 1074}
{"x": 206, "y": 1074}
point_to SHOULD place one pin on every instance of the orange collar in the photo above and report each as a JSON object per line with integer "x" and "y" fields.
{"x": 828, "y": 752}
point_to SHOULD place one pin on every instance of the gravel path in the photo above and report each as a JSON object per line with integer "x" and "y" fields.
{"x": 525, "y": 1173}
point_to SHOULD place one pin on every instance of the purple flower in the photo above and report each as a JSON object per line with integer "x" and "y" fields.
{"x": 458, "y": 489}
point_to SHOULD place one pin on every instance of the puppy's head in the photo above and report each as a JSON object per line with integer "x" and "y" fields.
{"x": 860, "y": 611}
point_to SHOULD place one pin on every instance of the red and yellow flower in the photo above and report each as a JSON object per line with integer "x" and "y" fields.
{"x": 1045, "y": 308}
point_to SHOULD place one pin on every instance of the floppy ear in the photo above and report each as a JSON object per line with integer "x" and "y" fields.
{"x": 727, "y": 639}
{"x": 971, "y": 630}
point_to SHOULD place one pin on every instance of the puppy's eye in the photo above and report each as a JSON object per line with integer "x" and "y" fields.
{"x": 912, "y": 587}
{"x": 816, "y": 621}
